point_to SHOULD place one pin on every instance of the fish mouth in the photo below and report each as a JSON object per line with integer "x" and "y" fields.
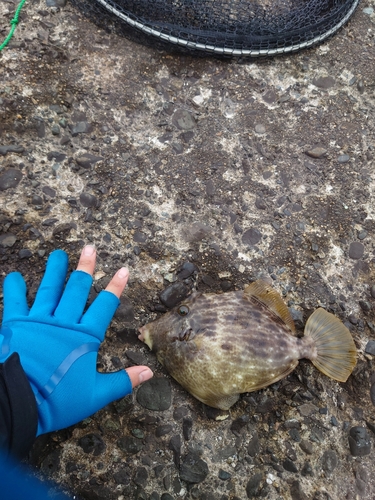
{"x": 144, "y": 335}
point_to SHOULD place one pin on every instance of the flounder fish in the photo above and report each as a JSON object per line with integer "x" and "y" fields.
{"x": 218, "y": 346}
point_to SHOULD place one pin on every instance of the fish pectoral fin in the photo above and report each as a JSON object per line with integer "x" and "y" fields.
{"x": 265, "y": 294}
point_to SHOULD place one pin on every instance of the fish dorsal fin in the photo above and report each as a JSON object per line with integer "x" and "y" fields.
{"x": 264, "y": 293}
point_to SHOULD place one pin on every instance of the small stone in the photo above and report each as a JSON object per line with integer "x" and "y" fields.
{"x": 343, "y": 158}
{"x": 130, "y": 445}
{"x": 223, "y": 475}
{"x": 260, "y": 129}
{"x": 359, "y": 442}
{"x": 307, "y": 447}
{"x": 329, "y": 461}
{"x": 260, "y": 203}
{"x": 193, "y": 469}
{"x": 180, "y": 412}
{"x": 253, "y": 487}
{"x": 254, "y": 445}
{"x": 7, "y": 240}
{"x": 372, "y": 291}
{"x": 210, "y": 188}
{"x": 356, "y": 250}
{"x": 62, "y": 229}
{"x": 55, "y": 130}
{"x": 125, "y": 311}
{"x": 163, "y": 429}
{"x": 317, "y": 152}
{"x": 289, "y": 465}
{"x": 173, "y": 294}
{"x": 365, "y": 306}
{"x": 155, "y": 394}
{"x": 368, "y": 10}
{"x": 81, "y": 128}
{"x": 186, "y": 270}
{"x": 324, "y": 82}
{"x": 141, "y": 476}
{"x": 187, "y": 428}
{"x": 92, "y": 443}
{"x": 88, "y": 200}
{"x": 136, "y": 357}
{"x": 25, "y": 253}
{"x": 183, "y": 120}
{"x": 11, "y": 149}
{"x": 251, "y": 237}
{"x": 372, "y": 393}
{"x": 10, "y": 179}
{"x": 57, "y": 156}
{"x": 362, "y": 235}
{"x": 87, "y": 160}
{"x": 195, "y": 232}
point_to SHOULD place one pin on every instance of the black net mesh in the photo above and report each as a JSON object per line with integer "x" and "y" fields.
{"x": 225, "y": 27}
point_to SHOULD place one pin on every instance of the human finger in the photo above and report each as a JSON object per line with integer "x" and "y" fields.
{"x": 139, "y": 374}
{"x": 118, "y": 282}
{"x": 87, "y": 259}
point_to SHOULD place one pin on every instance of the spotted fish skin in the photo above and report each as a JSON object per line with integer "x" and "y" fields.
{"x": 218, "y": 346}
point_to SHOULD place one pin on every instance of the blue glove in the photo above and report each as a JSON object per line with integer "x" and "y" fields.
{"x": 58, "y": 344}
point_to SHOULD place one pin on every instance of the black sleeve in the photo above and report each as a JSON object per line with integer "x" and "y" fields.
{"x": 18, "y": 409}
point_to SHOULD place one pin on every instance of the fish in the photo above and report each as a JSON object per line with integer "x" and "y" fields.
{"x": 218, "y": 346}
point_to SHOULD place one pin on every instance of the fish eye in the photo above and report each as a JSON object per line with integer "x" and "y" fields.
{"x": 183, "y": 310}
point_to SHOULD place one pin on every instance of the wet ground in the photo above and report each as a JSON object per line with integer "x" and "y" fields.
{"x": 244, "y": 169}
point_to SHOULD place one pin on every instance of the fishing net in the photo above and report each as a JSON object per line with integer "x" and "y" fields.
{"x": 224, "y": 27}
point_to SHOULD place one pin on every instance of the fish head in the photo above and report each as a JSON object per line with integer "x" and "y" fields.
{"x": 177, "y": 326}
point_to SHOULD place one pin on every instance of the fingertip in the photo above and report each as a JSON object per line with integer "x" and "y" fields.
{"x": 139, "y": 374}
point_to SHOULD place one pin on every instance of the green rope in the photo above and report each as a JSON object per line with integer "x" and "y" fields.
{"x": 13, "y": 24}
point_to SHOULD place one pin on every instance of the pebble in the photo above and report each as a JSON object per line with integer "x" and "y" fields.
{"x": 125, "y": 311}
{"x": 254, "y": 445}
{"x": 7, "y": 240}
{"x": 173, "y": 294}
{"x": 163, "y": 430}
{"x": 180, "y": 412}
{"x": 316, "y": 152}
{"x": 368, "y": 10}
{"x": 187, "y": 428}
{"x": 193, "y": 469}
{"x": 92, "y": 443}
{"x": 356, "y": 250}
{"x": 136, "y": 357}
{"x": 186, "y": 270}
{"x": 195, "y": 232}
{"x": 88, "y": 200}
{"x": 324, "y": 82}
{"x": 329, "y": 461}
{"x": 251, "y": 236}
{"x": 343, "y": 158}
{"x": 25, "y": 253}
{"x": 365, "y": 305}
{"x": 260, "y": 203}
{"x": 155, "y": 394}
{"x": 223, "y": 475}
{"x": 130, "y": 445}
{"x": 359, "y": 442}
{"x": 183, "y": 120}
{"x": 10, "y": 179}
{"x": 253, "y": 487}
{"x": 141, "y": 476}
{"x": 11, "y": 149}
{"x": 56, "y": 3}
{"x": 307, "y": 447}
{"x": 260, "y": 129}
{"x": 87, "y": 160}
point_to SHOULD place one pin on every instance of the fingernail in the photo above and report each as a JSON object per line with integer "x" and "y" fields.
{"x": 145, "y": 375}
{"x": 88, "y": 250}
{"x": 123, "y": 273}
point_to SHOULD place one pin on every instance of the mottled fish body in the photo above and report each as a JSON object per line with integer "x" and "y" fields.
{"x": 218, "y": 346}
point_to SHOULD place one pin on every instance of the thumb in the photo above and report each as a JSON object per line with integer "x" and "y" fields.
{"x": 112, "y": 386}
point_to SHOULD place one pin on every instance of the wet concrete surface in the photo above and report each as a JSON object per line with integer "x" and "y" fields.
{"x": 244, "y": 169}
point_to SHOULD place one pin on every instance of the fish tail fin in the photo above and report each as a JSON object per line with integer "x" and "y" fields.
{"x": 334, "y": 351}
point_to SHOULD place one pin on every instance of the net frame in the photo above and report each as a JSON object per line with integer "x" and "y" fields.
{"x": 231, "y": 40}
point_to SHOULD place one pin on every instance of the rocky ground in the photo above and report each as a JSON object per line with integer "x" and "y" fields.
{"x": 206, "y": 173}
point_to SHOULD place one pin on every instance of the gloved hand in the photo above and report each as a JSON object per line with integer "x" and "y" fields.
{"x": 58, "y": 342}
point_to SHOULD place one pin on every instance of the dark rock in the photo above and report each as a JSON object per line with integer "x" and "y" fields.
{"x": 289, "y": 465}
{"x": 208, "y": 280}
{"x": 254, "y": 446}
{"x": 130, "y": 445}
{"x": 51, "y": 463}
{"x": 180, "y": 412}
{"x": 36, "y": 200}
{"x": 141, "y": 476}
{"x": 88, "y": 200}
{"x": 365, "y": 306}
{"x": 260, "y": 203}
{"x": 125, "y": 311}
{"x": 296, "y": 491}
{"x": 210, "y": 188}
{"x": 307, "y": 469}
{"x": 186, "y": 270}
{"x": 251, "y": 237}
{"x": 173, "y": 294}
{"x": 183, "y": 120}
{"x": 136, "y": 357}
{"x": 92, "y": 443}
{"x": 196, "y": 232}
{"x": 167, "y": 496}
{"x": 370, "y": 346}
{"x": 81, "y": 128}
{"x": 7, "y": 240}
{"x": 11, "y": 149}
{"x": 56, "y": 3}
{"x": 372, "y": 393}
{"x": 356, "y": 250}
{"x": 329, "y": 461}
{"x": 25, "y": 253}
{"x": 193, "y": 469}
{"x": 49, "y": 222}
{"x": 139, "y": 237}
{"x": 163, "y": 429}
{"x": 154, "y": 496}
{"x": 175, "y": 445}
{"x": 372, "y": 291}
{"x": 253, "y": 487}
{"x": 10, "y": 179}
{"x": 343, "y": 158}
{"x": 239, "y": 423}
{"x": 155, "y": 394}
{"x": 223, "y": 475}
{"x": 49, "y": 191}
{"x": 62, "y": 229}
{"x": 87, "y": 160}
{"x": 359, "y": 442}
{"x": 324, "y": 82}
{"x": 307, "y": 447}
{"x": 122, "y": 476}
{"x": 55, "y": 155}
{"x": 187, "y": 428}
